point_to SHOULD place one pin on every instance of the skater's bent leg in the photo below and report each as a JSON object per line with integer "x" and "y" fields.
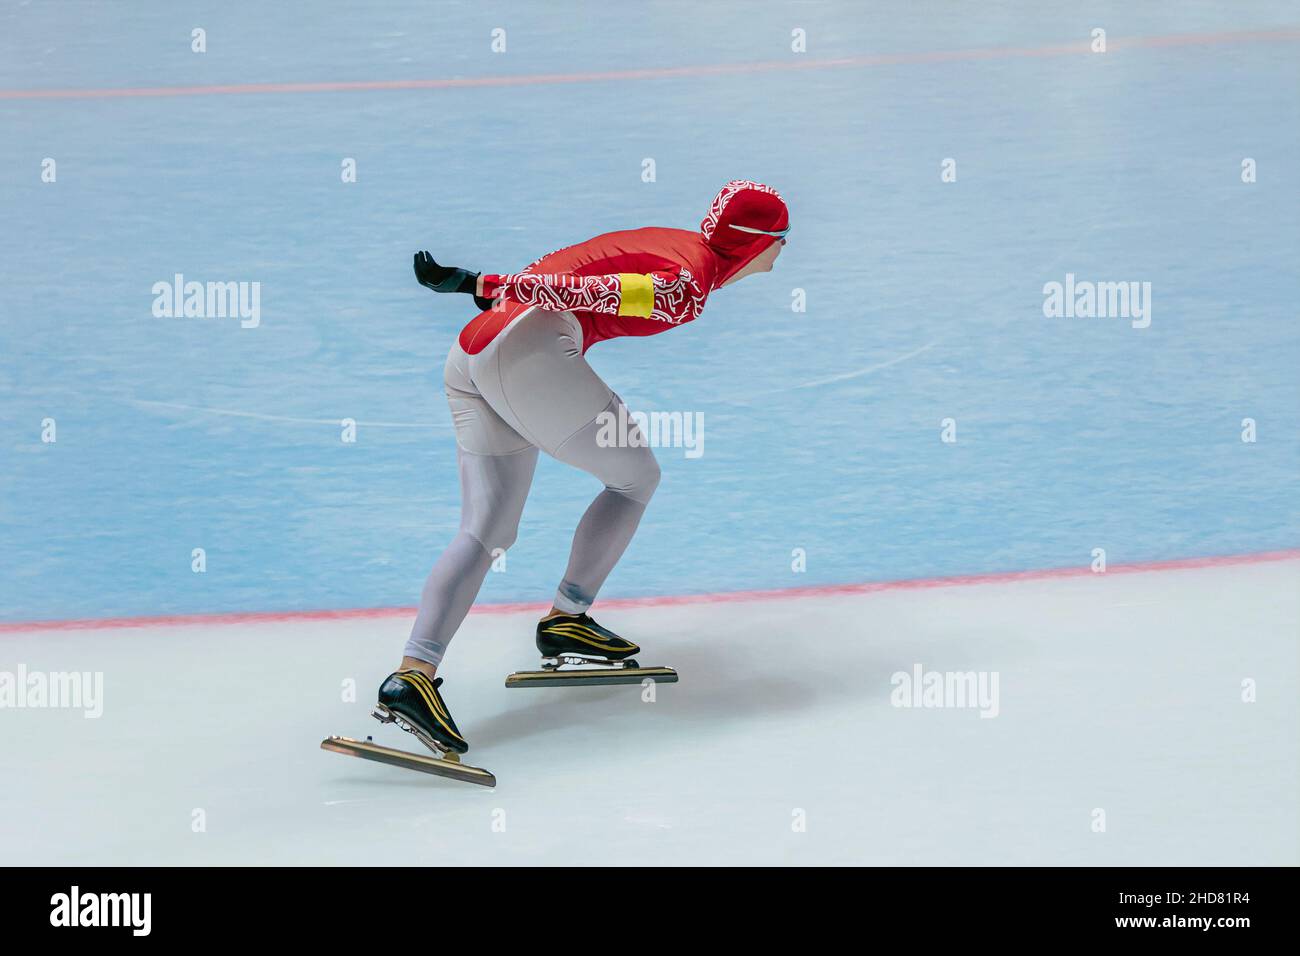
{"x": 630, "y": 474}
{"x": 603, "y": 535}
{"x": 448, "y": 594}
{"x": 536, "y": 379}
{"x": 493, "y": 491}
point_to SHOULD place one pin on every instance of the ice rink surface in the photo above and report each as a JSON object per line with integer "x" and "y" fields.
{"x": 821, "y": 428}
{"x": 1119, "y": 692}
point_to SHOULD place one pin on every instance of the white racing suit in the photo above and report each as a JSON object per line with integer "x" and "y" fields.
{"x": 530, "y": 388}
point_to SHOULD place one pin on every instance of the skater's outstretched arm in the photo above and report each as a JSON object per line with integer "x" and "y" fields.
{"x": 673, "y": 296}
{"x": 667, "y": 296}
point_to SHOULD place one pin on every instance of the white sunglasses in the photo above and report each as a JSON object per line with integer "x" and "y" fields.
{"x": 780, "y": 233}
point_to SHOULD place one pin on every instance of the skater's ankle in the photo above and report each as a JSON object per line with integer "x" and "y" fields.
{"x": 555, "y": 612}
{"x": 424, "y": 667}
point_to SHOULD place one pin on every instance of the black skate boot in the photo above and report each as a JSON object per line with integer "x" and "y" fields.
{"x": 577, "y": 651}
{"x": 578, "y": 636}
{"x": 411, "y": 700}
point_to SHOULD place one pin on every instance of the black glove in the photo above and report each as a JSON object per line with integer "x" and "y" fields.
{"x": 443, "y": 278}
{"x": 448, "y": 279}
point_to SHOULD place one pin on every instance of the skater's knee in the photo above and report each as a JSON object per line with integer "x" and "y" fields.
{"x": 650, "y": 481}
{"x": 494, "y": 533}
{"x": 503, "y": 540}
{"x": 638, "y": 480}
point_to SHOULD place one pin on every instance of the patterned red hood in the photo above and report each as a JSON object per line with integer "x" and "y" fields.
{"x": 740, "y": 206}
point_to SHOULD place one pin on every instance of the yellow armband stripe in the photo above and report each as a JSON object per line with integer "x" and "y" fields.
{"x": 638, "y": 295}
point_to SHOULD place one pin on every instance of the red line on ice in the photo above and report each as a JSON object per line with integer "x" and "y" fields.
{"x": 717, "y": 69}
{"x": 776, "y": 594}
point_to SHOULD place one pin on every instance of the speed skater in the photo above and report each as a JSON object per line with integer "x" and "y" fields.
{"x": 517, "y": 381}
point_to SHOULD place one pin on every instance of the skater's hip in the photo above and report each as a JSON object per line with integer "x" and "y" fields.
{"x": 532, "y": 377}
{"x": 534, "y": 334}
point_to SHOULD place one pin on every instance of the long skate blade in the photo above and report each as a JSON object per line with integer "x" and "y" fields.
{"x": 592, "y": 677}
{"x": 439, "y": 766}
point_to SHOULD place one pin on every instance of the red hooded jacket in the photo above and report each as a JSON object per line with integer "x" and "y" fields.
{"x": 638, "y": 281}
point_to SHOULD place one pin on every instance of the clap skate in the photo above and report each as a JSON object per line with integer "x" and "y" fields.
{"x": 411, "y": 700}
{"x": 576, "y": 651}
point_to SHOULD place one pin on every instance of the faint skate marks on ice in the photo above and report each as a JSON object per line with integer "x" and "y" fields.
{"x": 1090, "y": 228}
{"x": 868, "y": 370}
{"x": 284, "y": 418}
{"x": 648, "y": 822}
{"x": 842, "y": 377}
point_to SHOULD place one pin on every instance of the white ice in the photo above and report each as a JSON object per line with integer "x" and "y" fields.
{"x": 1117, "y": 692}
